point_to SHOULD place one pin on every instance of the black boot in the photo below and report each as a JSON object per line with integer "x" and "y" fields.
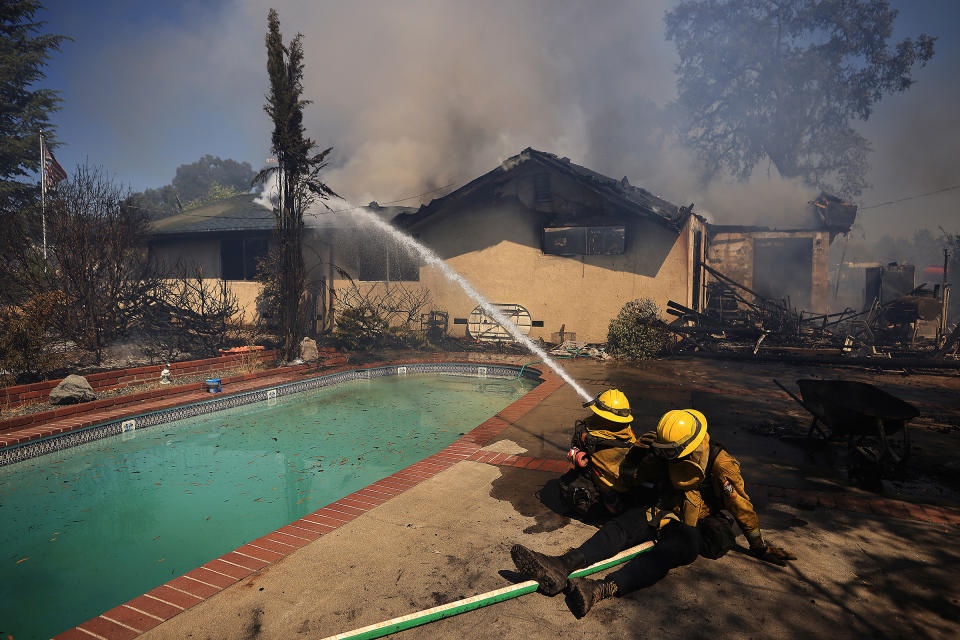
{"x": 584, "y": 593}
{"x": 550, "y": 571}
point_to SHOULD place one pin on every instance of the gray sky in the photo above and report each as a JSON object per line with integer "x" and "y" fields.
{"x": 418, "y": 94}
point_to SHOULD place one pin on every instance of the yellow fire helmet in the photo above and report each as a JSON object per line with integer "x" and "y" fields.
{"x": 679, "y": 432}
{"x": 611, "y": 405}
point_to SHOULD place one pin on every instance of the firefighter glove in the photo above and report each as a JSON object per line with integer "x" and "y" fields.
{"x": 772, "y": 554}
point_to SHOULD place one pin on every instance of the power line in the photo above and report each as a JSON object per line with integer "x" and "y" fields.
{"x": 914, "y": 197}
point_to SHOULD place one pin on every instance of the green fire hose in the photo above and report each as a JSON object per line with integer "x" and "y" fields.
{"x": 418, "y": 618}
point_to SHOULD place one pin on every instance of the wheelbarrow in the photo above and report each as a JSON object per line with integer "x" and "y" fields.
{"x": 860, "y": 413}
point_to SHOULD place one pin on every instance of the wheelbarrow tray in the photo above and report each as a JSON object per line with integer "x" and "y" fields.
{"x": 851, "y": 408}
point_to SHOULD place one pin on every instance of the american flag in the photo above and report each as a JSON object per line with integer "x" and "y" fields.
{"x": 53, "y": 172}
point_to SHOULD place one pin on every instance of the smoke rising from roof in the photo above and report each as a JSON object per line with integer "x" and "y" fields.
{"x": 420, "y": 94}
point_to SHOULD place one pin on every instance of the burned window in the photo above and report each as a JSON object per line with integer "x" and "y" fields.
{"x": 239, "y": 257}
{"x": 372, "y": 259}
{"x": 584, "y": 241}
{"x": 541, "y": 188}
{"x": 605, "y": 241}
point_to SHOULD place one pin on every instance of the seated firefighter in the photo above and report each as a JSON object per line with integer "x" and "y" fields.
{"x": 601, "y": 440}
{"x": 697, "y": 480}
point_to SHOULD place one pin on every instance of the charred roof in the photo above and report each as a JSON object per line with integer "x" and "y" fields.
{"x": 634, "y": 199}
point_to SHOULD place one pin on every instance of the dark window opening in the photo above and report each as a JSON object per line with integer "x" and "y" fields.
{"x": 254, "y": 250}
{"x": 239, "y": 257}
{"x": 584, "y": 241}
{"x": 541, "y": 188}
{"x": 783, "y": 268}
{"x": 231, "y": 259}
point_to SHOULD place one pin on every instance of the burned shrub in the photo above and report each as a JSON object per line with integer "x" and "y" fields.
{"x": 27, "y": 337}
{"x": 192, "y": 315}
{"x": 98, "y": 260}
{"x": 380, "y": 316}
{"x": 636, "y": 332}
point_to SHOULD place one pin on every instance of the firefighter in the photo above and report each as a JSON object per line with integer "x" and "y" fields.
{"x": 599, "y": 444}
{"x": 708, "y": 477}
{"x": 698, "y": 479}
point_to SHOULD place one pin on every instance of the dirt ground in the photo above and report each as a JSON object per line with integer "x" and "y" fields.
{"x": 858, "y": 574}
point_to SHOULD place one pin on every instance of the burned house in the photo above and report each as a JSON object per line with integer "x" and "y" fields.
{"x": 789, "y": 265}
{"x": 559, "y": 247}
{"x": 225, "y": 240}
{"x": 556, "y": 245}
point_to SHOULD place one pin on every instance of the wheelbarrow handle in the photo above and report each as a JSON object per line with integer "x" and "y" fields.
{"x": 816, "y": 414}
{"x": 791, "y": 394}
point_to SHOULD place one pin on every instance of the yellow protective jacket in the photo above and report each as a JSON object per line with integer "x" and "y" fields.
{"x": 605, "y": 467}
{"x": 723, "y": 489}
{"x": 607, "y": 450}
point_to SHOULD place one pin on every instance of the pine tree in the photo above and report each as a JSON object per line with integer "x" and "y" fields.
{"x": 24, "y": 110}
{"x": 297, "y": 176}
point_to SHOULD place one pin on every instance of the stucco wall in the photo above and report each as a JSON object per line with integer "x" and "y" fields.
{"x": 188, "y": 252}
{"x": 498, "y": 250}
{"x": 246, "y": 293}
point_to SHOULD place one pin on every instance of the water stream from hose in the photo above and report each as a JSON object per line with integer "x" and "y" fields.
{"x": 366, "y": 218}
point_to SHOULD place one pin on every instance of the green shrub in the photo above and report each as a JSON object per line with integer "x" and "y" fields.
{"x": 360, "y": 328}
{"x": 636, "y": 334}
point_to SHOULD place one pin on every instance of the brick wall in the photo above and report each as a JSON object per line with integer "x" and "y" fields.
{"x": 11, "y": 397}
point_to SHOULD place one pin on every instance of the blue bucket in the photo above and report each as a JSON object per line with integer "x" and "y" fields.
{"x": 214, "y": 385}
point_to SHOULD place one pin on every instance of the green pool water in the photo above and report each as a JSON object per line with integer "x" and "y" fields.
{"x": 91, "y": 527}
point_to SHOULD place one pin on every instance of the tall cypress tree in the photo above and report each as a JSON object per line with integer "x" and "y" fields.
{"x": 298, "y": 177}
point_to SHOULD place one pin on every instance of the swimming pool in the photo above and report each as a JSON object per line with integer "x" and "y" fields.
{"x": 95, "y": 525}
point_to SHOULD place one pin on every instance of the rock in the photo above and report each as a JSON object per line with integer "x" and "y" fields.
{"x": 71, "y": 390}
{"x": 308, "y": 350}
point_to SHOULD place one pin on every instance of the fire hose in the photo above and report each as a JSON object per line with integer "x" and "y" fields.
{"x": 478, "y": 601}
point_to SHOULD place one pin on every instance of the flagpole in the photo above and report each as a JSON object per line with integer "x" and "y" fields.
{"x": 43, "y": 194}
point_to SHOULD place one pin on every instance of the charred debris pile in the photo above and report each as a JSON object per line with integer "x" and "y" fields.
{"x": 900, "y": 324}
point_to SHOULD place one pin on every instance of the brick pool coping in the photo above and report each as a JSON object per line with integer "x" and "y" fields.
{"x": 183, "y": 592}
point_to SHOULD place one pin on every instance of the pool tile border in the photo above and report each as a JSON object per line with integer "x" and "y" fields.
{"x": 71, "y": 438}
{"x": 145, "y": 612}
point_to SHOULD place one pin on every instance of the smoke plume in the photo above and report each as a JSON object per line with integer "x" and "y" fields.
{"x": 421, "y": 94}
